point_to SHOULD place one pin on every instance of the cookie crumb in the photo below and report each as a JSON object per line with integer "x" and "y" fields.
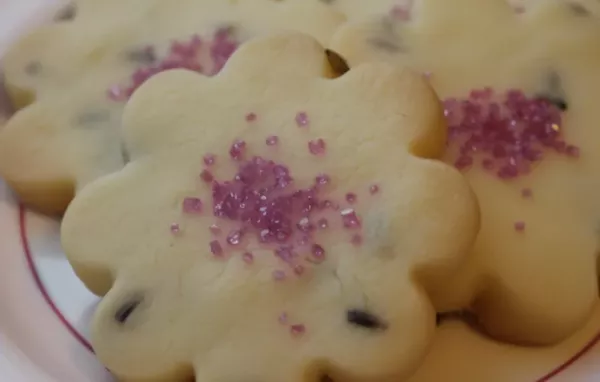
{"x": 175, "y": 229}
{"x": 251, "y": 117}
{"x": 527, "y": 193}
{"x": 373, "y": 189}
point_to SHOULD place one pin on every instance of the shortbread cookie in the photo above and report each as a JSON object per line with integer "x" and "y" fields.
{"x": 274, "y": 223}
{"x": 519, "y": 89}
{"x": 81, "y": 72}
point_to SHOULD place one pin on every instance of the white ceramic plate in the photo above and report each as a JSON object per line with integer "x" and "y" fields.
{"x": 45, "y": 310}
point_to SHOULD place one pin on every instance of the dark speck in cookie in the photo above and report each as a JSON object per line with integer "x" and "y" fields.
{"x": 386, "y": 38}
{"x": 579, "y": 9}
{"x": 92, "y": 117}
{"x": 67, "y": 13}
{"x": 125, "y": 154}
{"x": 126, "y": 310}
{"x": 33, "y": 68}
{"x": 365, "y": 319}
{"x": 145, "y": 55}
{"x": 553, "y": 91}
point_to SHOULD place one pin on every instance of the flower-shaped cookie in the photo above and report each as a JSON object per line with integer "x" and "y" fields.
{"x": 274, "y": 223}
{"x": 77, "y": 74}
{"x": 519, "y": 89}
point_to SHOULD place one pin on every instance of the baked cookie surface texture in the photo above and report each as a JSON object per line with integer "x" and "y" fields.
{"x": 399, "y": 9}
{"x": 519, "y": 93}
{"x": 276, "y": 222}
{"x": 73, "y": 77}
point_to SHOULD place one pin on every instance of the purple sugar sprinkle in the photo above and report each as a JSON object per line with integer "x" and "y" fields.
{"x": 216, "y": 248}
{"x": 279, "y": 275}
{"x": 349, "y": 218}
{"x": 192, "y": 205}
{"x": 272, "y": 140}
{"x": 302, "y": 119}
{"x": 209, "y": 159}
{"x": 317, "y": 146}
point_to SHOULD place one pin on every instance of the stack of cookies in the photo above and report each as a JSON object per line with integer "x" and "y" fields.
{"x": 297, "y": 190}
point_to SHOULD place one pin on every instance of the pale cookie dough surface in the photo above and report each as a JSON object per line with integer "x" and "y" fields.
{"x": 533, "y": 277}
{"x": 77, "y": 73}
{"x": 356, "y": 9}
{"x": 317, "y": 258}
{"x": 398, "y": 9}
